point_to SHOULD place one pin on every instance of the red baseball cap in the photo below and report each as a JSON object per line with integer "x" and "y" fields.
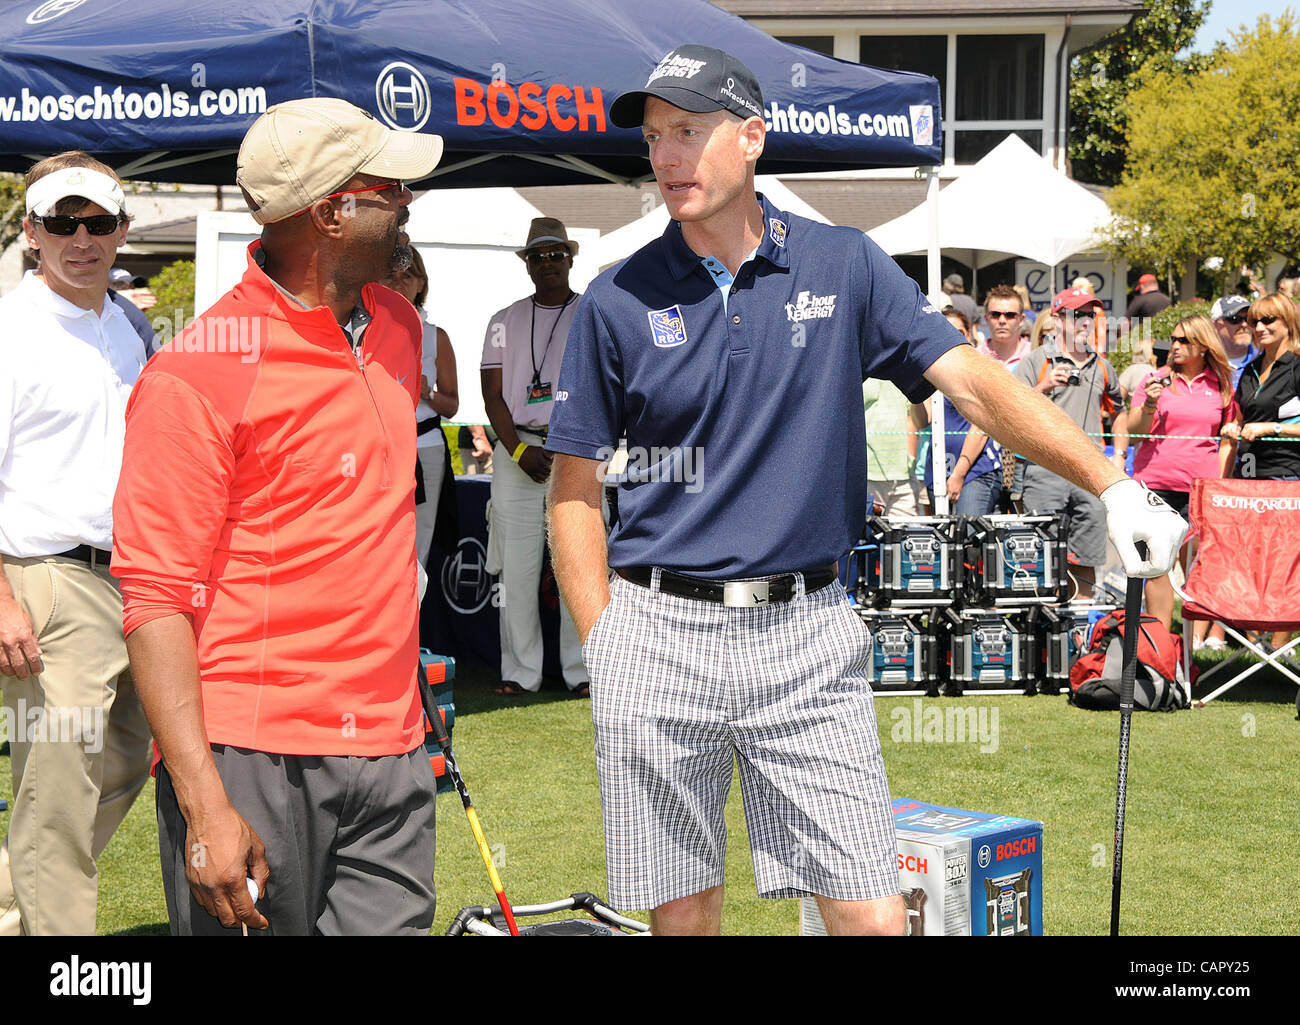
{"x": 1074, "y": 299}
{"x": 1147, "y": 279}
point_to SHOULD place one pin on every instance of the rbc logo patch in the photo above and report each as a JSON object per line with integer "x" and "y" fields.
{"x": 777, "y": 229}
{"x": 667, "y": 327}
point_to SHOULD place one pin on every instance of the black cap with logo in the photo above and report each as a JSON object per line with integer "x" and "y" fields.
{"x": 694, "y": 78}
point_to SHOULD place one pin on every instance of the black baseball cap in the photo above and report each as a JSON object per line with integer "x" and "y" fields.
{"x": 694, "y": 78}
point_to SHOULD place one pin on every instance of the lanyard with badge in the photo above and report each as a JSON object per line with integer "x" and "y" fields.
{"x": 539, "y": 390}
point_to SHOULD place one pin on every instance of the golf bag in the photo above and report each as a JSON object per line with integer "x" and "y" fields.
{"x": 1095, "y": 675}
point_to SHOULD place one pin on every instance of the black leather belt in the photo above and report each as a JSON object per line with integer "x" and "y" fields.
{"x": 748, "y": 593}
{"x": 425, "y": 426}
{"x": 84, "y": 553}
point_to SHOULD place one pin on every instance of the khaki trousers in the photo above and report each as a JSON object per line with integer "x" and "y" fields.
{"x": 79, "y": 744}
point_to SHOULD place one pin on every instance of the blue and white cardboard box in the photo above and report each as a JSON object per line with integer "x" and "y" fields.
{"x": 963, "y": 873}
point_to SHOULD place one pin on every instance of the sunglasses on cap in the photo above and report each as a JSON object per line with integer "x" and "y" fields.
{"x": 1262, "y": 320}
{"x": 394, "y": 184}
{"x": 96, "y": 224}
{"x": 546, "y": 256}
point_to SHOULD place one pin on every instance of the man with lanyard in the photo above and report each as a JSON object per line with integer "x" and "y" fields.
{"x": 724, "y": 633}
{"x": 1084, "y": 386}
{"x": 522, "y": 353}
{"x": 81, "y": 748}
{"x": 271, "y": 616}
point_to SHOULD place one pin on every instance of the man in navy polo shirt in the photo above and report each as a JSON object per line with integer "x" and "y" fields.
{"x": 724, "y": 352}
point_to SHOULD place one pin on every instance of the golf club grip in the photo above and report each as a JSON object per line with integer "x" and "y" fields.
{"x": 1132, "y": 627}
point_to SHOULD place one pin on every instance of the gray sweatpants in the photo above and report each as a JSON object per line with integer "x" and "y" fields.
{"x": 349, "y": 842}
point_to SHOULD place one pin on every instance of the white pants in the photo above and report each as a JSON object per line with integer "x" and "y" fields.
{"x": 432, "y": 465}
{"x": 517, "y": 535}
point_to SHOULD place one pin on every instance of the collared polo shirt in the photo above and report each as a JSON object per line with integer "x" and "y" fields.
{"x": 1081, "y": 402}
{"x": 1190, "y": 415}
{"x": 65, "y": 375}
{"x": 744, "y": 422}
{"x": 1278, "y": 398}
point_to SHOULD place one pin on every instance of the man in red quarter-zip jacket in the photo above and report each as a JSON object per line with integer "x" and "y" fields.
{"x": 265, "y": 542}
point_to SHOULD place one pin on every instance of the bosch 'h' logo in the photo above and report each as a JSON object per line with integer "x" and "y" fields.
{"x": 402, "y": 96}
{"x": 466, "y": 584}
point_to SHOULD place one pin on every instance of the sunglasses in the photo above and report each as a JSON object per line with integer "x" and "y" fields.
{"x": 1000, "y": 315}
{"x": 1181, "y": 340}
{"x": 396, "y": 186}
{"x": 1262, "y": 320}
{"x": 1236, "y": 318}
{"x": 550, "y": 255}
{"x": 96, "y": 224}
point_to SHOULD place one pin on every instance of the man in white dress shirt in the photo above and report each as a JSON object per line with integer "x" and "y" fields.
{"x": 77, "y": 734}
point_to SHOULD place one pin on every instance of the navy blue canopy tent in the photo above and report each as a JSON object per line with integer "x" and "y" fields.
{"x": 164, "y": 89}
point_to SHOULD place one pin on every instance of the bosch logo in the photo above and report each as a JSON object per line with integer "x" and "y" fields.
{"x": 985, "y": 856}
{"x": 1025, "y": 845}
{"x": 402, "y": 96}
{"x": 466, "y": 584}
{"x": 51, "y": 10}
{"x": 911, "y": 863}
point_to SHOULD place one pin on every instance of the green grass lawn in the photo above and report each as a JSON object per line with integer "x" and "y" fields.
{"x": 1211, "y": 810}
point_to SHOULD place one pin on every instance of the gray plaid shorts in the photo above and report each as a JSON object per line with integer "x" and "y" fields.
{"x": 682, "y": 688}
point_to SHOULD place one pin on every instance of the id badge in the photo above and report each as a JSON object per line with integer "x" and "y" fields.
{"x": 539, "y": 391}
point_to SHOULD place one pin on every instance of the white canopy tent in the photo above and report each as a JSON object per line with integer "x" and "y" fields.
{"x": 467, "y": 238}
{"x": 1012, "y": 203}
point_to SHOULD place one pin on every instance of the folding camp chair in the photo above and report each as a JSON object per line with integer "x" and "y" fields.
{"x": 1247, "y": 571}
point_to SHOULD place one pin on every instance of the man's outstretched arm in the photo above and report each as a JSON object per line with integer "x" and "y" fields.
{"x": 1028, "y": 423}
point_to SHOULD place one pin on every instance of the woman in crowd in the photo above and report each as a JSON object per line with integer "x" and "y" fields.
{"x": 1185, "y": 404}
{"x": 974, "y": 464}
{"x": 438, "y": 398}
{"x": 1046, "y": 326}
{"x": 1268, "y": 394}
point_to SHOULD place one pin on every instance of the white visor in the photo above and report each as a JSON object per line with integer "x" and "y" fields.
{"x": 93, "y": 186}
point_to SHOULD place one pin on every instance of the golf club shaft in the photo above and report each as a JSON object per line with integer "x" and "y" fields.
{"x": 443, "y": 740}
{"x": 1128, "y": 679}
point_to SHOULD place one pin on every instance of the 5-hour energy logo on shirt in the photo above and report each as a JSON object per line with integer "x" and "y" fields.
{"x": 810, "y": 307}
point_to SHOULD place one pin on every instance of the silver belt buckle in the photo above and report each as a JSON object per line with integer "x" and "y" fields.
{"x": 745, "y": 594}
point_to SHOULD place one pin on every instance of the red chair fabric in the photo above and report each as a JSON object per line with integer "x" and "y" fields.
{"x": 1247, "y": 571}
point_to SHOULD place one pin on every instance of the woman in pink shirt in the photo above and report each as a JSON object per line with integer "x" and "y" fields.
{"x": 1185, "y": 404}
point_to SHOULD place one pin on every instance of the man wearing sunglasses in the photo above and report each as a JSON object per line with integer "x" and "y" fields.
{"x": 522, "y": 353}
{"x": 1229, "y": 317}
{"x": 80, "y": 748}
{"x": 1084, "y": 386}
{"x": 265, "y": 539}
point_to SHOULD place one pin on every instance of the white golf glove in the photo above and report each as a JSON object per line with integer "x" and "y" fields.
{"x": 1134, "y": 514}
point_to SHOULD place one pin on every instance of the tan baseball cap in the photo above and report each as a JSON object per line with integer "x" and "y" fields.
{"x": 304, "y": 150}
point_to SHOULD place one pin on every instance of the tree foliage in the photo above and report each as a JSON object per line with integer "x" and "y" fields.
{"x": 1102, "y": 78}
{"x": 1213, "y": 157}
{"x": 174, "y": 287}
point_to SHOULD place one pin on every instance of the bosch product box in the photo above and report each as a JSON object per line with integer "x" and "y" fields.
{"x": 962, "y": 873}
{"x": 1015, "y": 559}
{"x": 989, "y": 648}
{"x": 904, "y": 654}
{"x": 439, "y": 671}
{"x": 920, "y": 559}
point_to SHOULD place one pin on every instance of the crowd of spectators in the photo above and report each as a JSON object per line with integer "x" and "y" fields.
{"x": 1196, "y": 402}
